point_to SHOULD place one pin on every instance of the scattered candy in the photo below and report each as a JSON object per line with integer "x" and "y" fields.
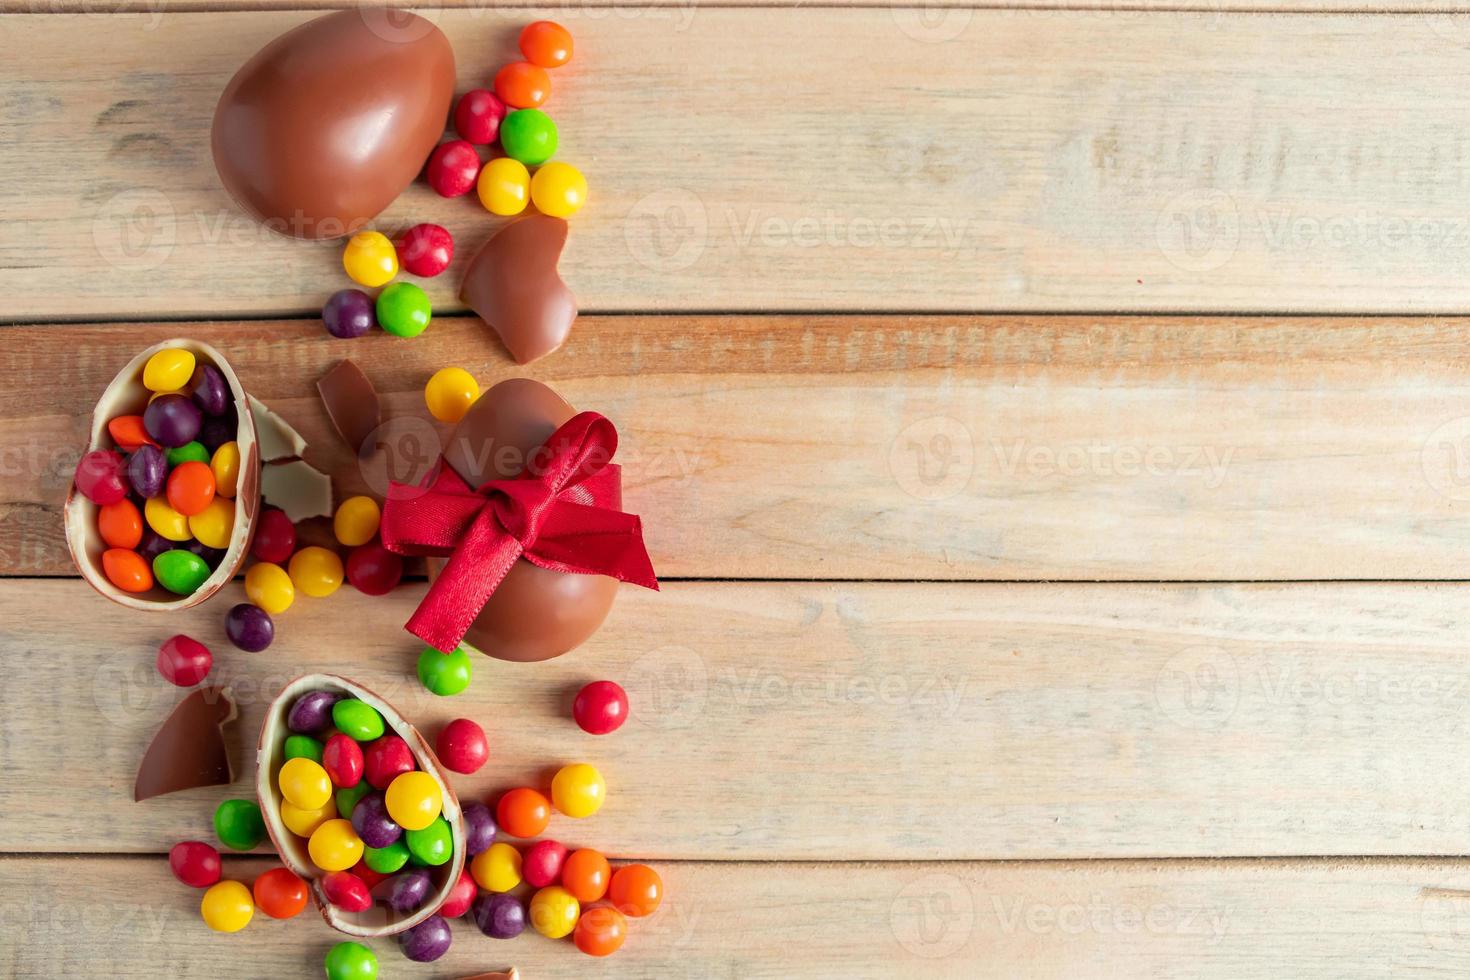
{"x": 194, "y": 863}
{"x": 636, "y": 890}
{"x": 546, "y": 43}
{"x": 127, "y": 570}
{"x": 600, "y": 707}
{"x": 275, "y": 536}
{"x": 238, "y": 824}
{"x": 172, "y": 420}
{"x": 227, "y": 906}
{"x": 431, "y": 845}
{"x": 586, "y": 874}
{"x": 168, "y": 370}
{"x": 279, "y": 893}
{"x": 181, "y": 572}
{"x": 529, "y": 136}
{"x": 347, "y": 891}
{"x": 357, "y": 719}
{"x": 477, "y": 116}
{"x": 413, "y": 800}
{"x": 523, "y": 812}
{"x": 335, "y": 846}
{"x": 269, "y": 587}
{"x": 522, "y": 85}
{"x": 504, "y": 186}
{"x": 373, "y": 569}
{"x": 100, "y": 477}
{"x": 165, "y": 520}
{"x": 452, "y": 170}
{"x": 554, "y": 912}
{"x": 461, "y": 896}
{"x": 214, "y": 525}
{"x": 600, "y": 931}
{"x": 542, "y": 863}
{"x": 351, "y": 961}
{"x": 305, "y": 783}
{"x": 385, "y": 759}
{"x": 427, "y": 941}
{"x": 356, "y": 521}
{"x": 304, "y": 823}
{"x": 343, "y": 760}
{"x": 498, "y": 868}
{"x": 128, "y": 432}
{"x": 348, "y": 313}
{"x": 559, "y": 189}
{"x": 316, "y": 571}
{"x": 225, "y": 465}
{"x": 311, "y": 714}
{"x": 479, "y": 827}
{"x": 462, "y": 746}
{"x": 445, "y": 674}
{"x": 249, "y": 627}
{"x": 425, "y": 250}
{"x": 449, "y": 394}
{"x": 370, "y": 259}
{"x": 183, "y": 661}
{"x": 404, "y": 310}
{"x": 499, "y": 915}
{"x": 148, "y": 471}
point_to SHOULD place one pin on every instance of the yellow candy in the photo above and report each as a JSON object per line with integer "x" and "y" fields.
{"x": 316, "y": 571}
{"x": 413, "y": 800}
{"x": 214, "y": 524}
{"x": 305, "y": 783}
{"x": 578, "y": 790}
{"x": 269, "y": 587}
{"x": 559, "y": 189}
{"x": 356, "y": 521}
{"x": 504, "y": 186}
{"x": 335, "y": 846}
{"x": 497, "y": 869}
{"x": 227, "y": 906}
{"x": 165, "y": 520}
{"x": 554, "y": 912}
{"x": 303, "y": 823}
{"x": 168, "y": 370}
{"x": 226, "y": 466}
{"x": 450, "y": 393}
{"x": 370, "y": 258}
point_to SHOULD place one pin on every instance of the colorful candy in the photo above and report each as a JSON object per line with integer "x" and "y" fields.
{"x": 227, "y": 906}
{"x": 181, "y": 572}
{"x": 183, "y": 661}
{"x": 238, "y": 824}
{"x": 211, "y": 390}
{"x": 523, "y": 812}
{"x": 477, "y": 116}
{"x": 585, "y": 873}
{"x": 316, "y": 571}
{"x": 279, "y": 893}
{"x": 190, "y": 486}
{"x": 120, "y": 524}
{"x": 504, "y": 186}
{"x": 386, "y": 860}
{"x": 168, "y": 370}
{"x": 600, "y": 931}
{"x": 559, "y": 189}
{"x": 462, "y": 746}
{"x": 305, "y": 783}
{"x": 153, "y": 545}
{"x": 351, "y": 961}
{"x": 165, "y": 520}
{"x": 452, "y": 169}
{"x": 431, "y": 845}
{"x": 409, "y": 889}
{"x": 546, "y": 43}
{"x": 385, "y": 759}
{"x": 529, "y": 136}
{"x": 275, "y": 536}
{"x": 172, "y": 420}
{"x": 449, "y": 394}
{"x": 335, "y": 846}
{"x": 404, "y": 310}
{"x": 413, "y": 800}
{"x": 600, "y": 707}
{"x": 348, "y": 313}
{"x": 148, "y": 471}
{"x": 356, "y": 521}
{"x": 497, "y": 868}
{"x": 194, "y": 863}
{"x": 100, "y": 477}
{"x": 554, "y": 912}
{"x": 215, "y": 523}
{"x": 636, "y": 890}
{"x": 127, "y": 570}
{"x": 425, "y": 250}
{"x": 269, "y": 587}
{"x": 304, "y": 823}
{"x": 479, "y": 827}
{"x": 373, "y": 569}
{"x": 542, "y": 863}
{"x": 445, "y": 674}
{"x": 225, "y": 465}
{"x": 370, "y": 259}
{"x": 349, "y": 796}
{"x": 343, "y": 760}
{"x": 523, "y": 85}
{"x": 194, "y": 451}
{"x": 347, "y": 891}
{"x": 249, "y": 627}
{"x": 499, "y": 915}
{"x": 304, "y": 747}
{"x": 427, "y": 941}
{"x": 311, "y": 713}
{"x": 357, "y": 719}
{"x": 461, "y": 896}
{"x": 128, "y": 432}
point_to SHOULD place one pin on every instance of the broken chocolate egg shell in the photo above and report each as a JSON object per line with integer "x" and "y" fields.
{"x": 271, "y": 755}
{"x": 328, "y": 123}
{"x": 127, "y": 396}
{"x": 513, "y": 284}
{"x": 536, "y": 613}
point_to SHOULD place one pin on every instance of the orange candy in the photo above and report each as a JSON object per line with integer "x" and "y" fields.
{"x": 636, "y": 890}
{"x": 120, "y": 524}
{"x": 523, "y": 812}
{"x": 190, "y": 487}
{"x": 279, "y": 893}
{"x": 128, "y": 432}
{"x": 585, "y": 874}
{"x": 522, "y": 85}
{"x": 546, "y": 43}
{"x": 600, "y": 931}
{"x": 127, "y": 570}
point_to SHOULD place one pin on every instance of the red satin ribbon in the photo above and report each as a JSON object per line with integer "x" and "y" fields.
{"x": 560, "y": 513}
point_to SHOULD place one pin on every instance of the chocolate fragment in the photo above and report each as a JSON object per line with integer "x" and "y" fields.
{"x": 277, "y": 439}
{"x": 512, "y": 283}
{"x": 298, "y": 488}
{"x": 514, "y": 974}
{"x": 352, "y": 404}
{"x": 189, "y": 750}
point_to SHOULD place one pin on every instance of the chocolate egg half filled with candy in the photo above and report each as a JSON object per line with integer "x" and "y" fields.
{"x": 384, "y": 917}
{"x": 328, "y": 123}
{"x": 126, "y": 399}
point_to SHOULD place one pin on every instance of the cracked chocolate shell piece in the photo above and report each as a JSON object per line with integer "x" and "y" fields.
{"x": 512, "y": 283}
{"x": 189, "y": 750}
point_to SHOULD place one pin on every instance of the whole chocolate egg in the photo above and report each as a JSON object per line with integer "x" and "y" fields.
{"x": 535, "y": 614}
{"x": 328, "y": 123}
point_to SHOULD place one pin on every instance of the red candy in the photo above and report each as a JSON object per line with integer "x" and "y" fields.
{"x": 342, "y": 759}
{"x": 461, "y": 896}
{"x": 194, "y": 863}
{"x": 367, "y": 875}
{"x": 275, "y": 537}
{"x": 120, "y": 524}
{"x": 546, "y": 43}
{"x": 128, "y": 432}
{"x": 453, "y": 168}
{"x": 347, "y": 891}
{"x": 477, "y": 117}
{"x": 190, "y": 487}
{"x": 601, "y": 707}
{"x": 462, "y": 746}
{"x": 425, "y": 250}
{"x": 522, "y": 85}
{"x": 542, "y": 863}
{"x": 373, "y": 569}
{"x": 386, "y": 758}
{"x": 184, "y": 661}
{"x": 101, "y": 477}
{"x": 280, "y": 894}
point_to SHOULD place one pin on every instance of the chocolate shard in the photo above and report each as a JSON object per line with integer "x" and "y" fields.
{"x": 298, "y": 488}
{"x": 277, "y": 439}
{"x": 189, "y": 750}
{"x": 352, "y": 403}
{"x": 514, "y": 974}
{"x": 512, "y": 283}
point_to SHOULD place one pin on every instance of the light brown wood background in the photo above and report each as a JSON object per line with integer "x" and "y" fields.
{"x": 1051, "y": 424}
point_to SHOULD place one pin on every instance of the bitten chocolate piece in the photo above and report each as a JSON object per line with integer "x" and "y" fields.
{"x": 512, "y": 283}
{"x": 352, "y": 404}
{"x": 189, "y": 750}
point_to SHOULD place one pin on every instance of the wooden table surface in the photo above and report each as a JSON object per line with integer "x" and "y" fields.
{"x": 1051, "y": 422}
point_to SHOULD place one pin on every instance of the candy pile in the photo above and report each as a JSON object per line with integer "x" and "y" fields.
{"x": 166, "y": 509}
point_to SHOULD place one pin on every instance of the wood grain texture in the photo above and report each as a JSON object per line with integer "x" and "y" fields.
{"x": 128, "y": 918}
{"x": 839, "y": 722}
{"x": 900, "y": 447}
{"x": 994, "y": 159}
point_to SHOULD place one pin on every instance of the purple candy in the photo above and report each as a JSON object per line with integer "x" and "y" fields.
{"x": 349, "y": 313}
{"x": 211, "y": 391}
{"x": 212, "y": 556}
{"x": 500, "y": 915}
{"x": 172, "y": 420}
{"x": 407, "y": 890}
{"x": 153, "y": 545}
{"x": 479, "y": 828}
{"x": 427, "y": 941}
{"x": 312, "y": 712}
{"x": 147, "y": 470}
{"x": 371, "y": 821}
{"x": 216, "y": 430}
{"x": 249, "y": 627}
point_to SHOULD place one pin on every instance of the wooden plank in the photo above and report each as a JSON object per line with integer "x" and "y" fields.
{"x": 841, "y": 722}
{"x": 937, "y": 19}
{"x": 126, "y": 918}
{"x": 1043, "y": 161}
{"x": 902, "y": 447}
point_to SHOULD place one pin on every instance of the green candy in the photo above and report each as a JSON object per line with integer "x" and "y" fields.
{"x": 386, "y": 860}
{"x": 347, "y": 798}
{"x": 351, "y": 961}
{"x": 444, "y": 674}
{"x": 180, "y": 571}
{"x": 238, "y": 824}
{"x": 357, "y": 720}
{"x": 303, "y": 747}
{"x": 189, "y": 451}
{"x": 403, "y": 310}
{"x": 528, "y": 135}
{"x": 433, "y": 845}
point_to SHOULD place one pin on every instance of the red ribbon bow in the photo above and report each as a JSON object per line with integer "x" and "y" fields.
{"x": 562, "y": 516}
